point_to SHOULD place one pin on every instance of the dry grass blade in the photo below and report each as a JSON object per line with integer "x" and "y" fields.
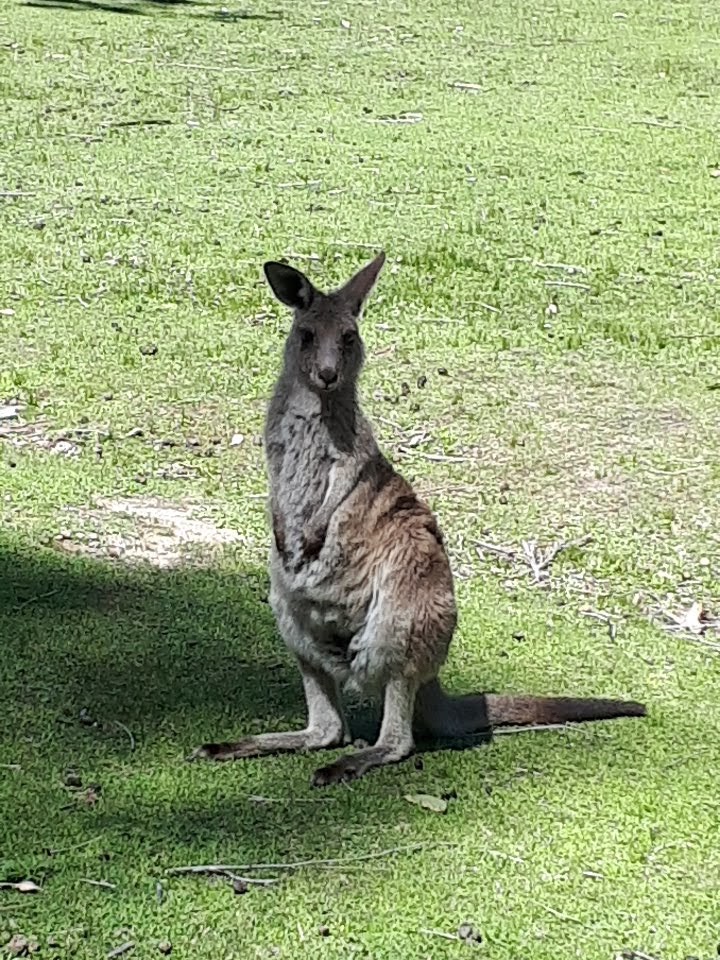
{"x": 128, "y": 732}
{"x": 562, "y": 916}
{"x": 104, "y": 884}
{"x": 439, "y": 933}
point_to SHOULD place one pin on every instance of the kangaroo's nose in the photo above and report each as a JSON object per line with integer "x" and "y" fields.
{"x": 328, "y": 376}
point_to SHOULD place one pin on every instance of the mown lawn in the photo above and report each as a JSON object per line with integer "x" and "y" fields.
{"x": 543, "y": 362}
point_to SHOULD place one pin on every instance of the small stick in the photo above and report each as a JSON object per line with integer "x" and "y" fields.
{"x": 255, "y": 798}
{"x": 40, "y": 596}
{"x": 648, "y": 122}
{"x": 472, "y": 87}
{"x": 569, "y": 267}
{"x": 536, "y": 565}
{"x": 440, "y": 933}
{"x": 488, "y": 306}
{"x": 299, "y": 864}
{"x": 538, "y": 728}
{"x": 498, "y": 551}
{"x": 636, "y": 955}
{"x": 594, "y": 129}
{"x": 303, "y": 256}
{"x": 73, "y": 846}
{"x": 342, "y": 243}
{"x": 562, "y": 916}
{"x": 299, "y": 183}
{"x": 596, "y": 615}
{"x": 675, "y": 473}
{"x": 222, "y": 871}
{"x": 391, "y": 423}
{"x": 715, "y": 647}
{"x": 557, "y": 548}
{"x": 121, "y": 950}
{"x": 603, "y": 618}
{"x": 505, "y": 856}
{"x": 205, "y": 66}
{"x": 98, "y": 883}
{"x": 435, "y": 457}
{"x": 693, "y": 336}
{"x": 128, "y": 732}
{"x": 10, "y": 766}
{"x": 567, "y": 283}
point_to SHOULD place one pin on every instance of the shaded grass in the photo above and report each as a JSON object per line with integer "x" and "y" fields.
{"x": 148, "y": 166}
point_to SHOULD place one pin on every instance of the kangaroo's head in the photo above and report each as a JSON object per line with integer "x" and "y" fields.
{"x": 324, "y": 347}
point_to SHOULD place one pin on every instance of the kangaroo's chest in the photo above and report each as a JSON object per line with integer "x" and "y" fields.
{"x": 301, "y": 474}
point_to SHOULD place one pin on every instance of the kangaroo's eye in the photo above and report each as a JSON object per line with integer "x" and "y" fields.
{"x": 306, "y": 338}
{"x": 349, "y": 338}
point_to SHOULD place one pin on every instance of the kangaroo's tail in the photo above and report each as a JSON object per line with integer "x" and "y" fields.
{"x": 442, "y": 715}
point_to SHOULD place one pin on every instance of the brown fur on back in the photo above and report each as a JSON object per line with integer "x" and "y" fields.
{"x": 361, "y": 585}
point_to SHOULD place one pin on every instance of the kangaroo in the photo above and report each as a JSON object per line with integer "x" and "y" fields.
{"x": 360, "y": 581}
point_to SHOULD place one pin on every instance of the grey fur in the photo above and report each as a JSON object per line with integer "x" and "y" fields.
{"x": 360, "y": 582}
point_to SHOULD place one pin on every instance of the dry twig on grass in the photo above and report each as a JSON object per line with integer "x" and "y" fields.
{"x": 439, "y": 933}
{"x": 538, "y": 561}
{"x": 220, "y": 870}
{"x": 300, "y": 864}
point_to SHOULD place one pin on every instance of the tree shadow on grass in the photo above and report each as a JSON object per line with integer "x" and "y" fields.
{"x": 140, "y": 646}
{"x": 177, "y": 657}
{"x": 147, "y": 8}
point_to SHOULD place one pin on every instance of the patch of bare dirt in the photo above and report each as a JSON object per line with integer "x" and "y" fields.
{"x": 144, "y": 530}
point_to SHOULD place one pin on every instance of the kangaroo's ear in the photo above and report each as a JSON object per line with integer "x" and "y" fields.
{"x": 289, "y": 285}
{"x": 356, "y": 291}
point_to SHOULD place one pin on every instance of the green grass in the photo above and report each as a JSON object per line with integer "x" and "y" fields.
{"x": 591, "y": 142}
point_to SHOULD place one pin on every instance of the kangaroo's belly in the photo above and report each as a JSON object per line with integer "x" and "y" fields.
{"x": 320, "y": 606}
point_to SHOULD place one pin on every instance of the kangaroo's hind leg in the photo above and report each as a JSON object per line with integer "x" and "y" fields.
{"x": 325, "y": 727}
{"x": 394, "y": 743}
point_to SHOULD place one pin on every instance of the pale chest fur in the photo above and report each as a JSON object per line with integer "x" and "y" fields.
{"x": 320, "y": 599}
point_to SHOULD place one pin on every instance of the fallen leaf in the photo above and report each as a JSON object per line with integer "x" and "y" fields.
{"x": 24, "y": 886}
{"x": 121, "y": 950}
{"x": 236, "y": 440}
{"x": 18, "y": 946}
{"x": 695, "y": 619}
{"x": 468, "y": 934}
{"x": 427, "y": 802}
